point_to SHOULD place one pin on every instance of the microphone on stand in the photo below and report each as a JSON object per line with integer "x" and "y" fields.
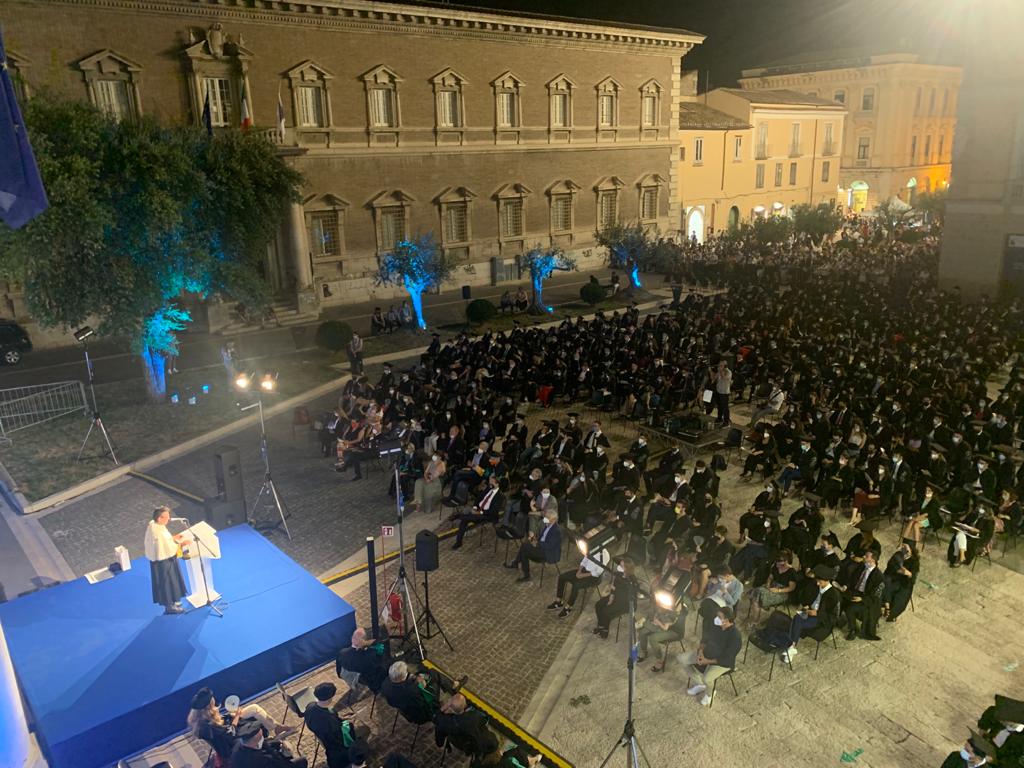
{"x": 178, "y": 520}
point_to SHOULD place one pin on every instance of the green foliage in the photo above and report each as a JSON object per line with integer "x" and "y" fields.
{"x": 762, "y": 231}
{"x": 912, "y": 235}
{"x": 891, "y": 214}
{"x": 932, "y": 203}
{"x": 139, "y": 215}
{"x": 333, "y": 335}
{"x": 480, "y": 311}
{"x": 626, "y": 243}
{"x": 592, "y": 293}
{"x": 816, "y": 221}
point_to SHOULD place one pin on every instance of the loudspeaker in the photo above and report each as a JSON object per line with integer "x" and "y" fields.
{"x": 224, "y": 514}
{"x": 227, "y": 468}
{"x": 466, "y": 292}
{"x": 426, "y": 551}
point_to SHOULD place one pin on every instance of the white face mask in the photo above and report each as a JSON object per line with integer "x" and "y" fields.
{"x": 628, "y": 465}
{"x": 619, "y": 569}
{"x": 259, "y": 744}
{"x": 678, "y": 479}
{"x": 435, "y": 457}
{"x": 544, "y": 494}
{"x": 718, "y": 621}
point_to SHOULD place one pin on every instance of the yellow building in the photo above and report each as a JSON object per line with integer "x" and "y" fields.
{"x": 899, "y": 125}
{"x": 745, "y": 154}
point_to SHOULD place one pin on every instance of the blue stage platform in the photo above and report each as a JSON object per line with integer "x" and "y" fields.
{"x": 106, "y": 674}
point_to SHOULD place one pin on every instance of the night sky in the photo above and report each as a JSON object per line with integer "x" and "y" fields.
{"x": 747, "y": 33}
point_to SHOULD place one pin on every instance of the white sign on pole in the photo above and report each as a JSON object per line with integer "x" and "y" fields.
{"x": 387, "y": 530}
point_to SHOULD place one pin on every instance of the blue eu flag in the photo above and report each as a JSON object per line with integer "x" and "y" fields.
{"x": 22, "y": 196}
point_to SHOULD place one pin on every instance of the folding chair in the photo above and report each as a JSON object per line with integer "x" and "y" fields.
{"x": 297, "y": 703}
{"x": 773, "y": 651}
{"x": 353, "y": 680}
{"x": 714, "y": 685}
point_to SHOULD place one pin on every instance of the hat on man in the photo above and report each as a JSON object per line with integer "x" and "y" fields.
{"x": 202, "y": 699}
{"x": 1009, "y": 710}
{"x": 325, "y": 691}
{"x": 981, "y": 746}
{"x": 832, "y": 539}
{"x": 822, "y": 571}
{"x": 247, "y": 728}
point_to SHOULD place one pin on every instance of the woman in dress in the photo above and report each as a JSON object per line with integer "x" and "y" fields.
{"x": 162, "y": 552}
{"x": 206, "y": 722}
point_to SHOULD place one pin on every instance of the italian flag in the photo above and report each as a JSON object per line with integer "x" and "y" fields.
{"x": 246, "y": 113}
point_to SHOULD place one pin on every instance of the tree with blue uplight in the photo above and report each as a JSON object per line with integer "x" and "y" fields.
{"x": 630, "y": 247}
{"x": 142, "y": 216}
{"x": 417, "y": 265}
{"x": 541, "y": 263}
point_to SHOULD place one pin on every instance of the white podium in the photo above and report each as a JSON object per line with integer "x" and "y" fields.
{"x": 200, "y": 548}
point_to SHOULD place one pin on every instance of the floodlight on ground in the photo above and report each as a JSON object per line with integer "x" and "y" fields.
{"x": 665, "y": 599}
{"x": 268, "y": 382}
{"x": 596, "y": 539}
{"x": 243, "y": 380}
{"x": 667, "y": 595}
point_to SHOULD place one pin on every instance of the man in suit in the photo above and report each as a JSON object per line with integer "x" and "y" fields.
{"x": 368, "y": 657}
{"x": 595, "y": 437}
{"x": 819, "y": 616}
{"x": 463, "y": 727}
{"x": 342, "y": 739}
{"x": 414, "y": 695}
{"x": 862, "y": 596}
{"x": 254, "y": 750}
{"x": 488, "y": 507}
{"x": 545, "y": 547}
{"x": 673, "y": 489}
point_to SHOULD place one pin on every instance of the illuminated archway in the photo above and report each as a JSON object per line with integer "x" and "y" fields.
{"x": 858, "y": 196}
{"x": 695, "y": 225}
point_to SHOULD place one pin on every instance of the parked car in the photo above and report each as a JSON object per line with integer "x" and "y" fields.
{"x": 14, "y": 342}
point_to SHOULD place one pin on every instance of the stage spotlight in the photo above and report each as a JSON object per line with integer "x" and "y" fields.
{"x": 83, "y": 333}
{"x": 667, "y": 595}
{"x": 243, "y": 381}
{"x": 268, "y": 382}
{"x": 665, "y": 599}
{"x": 595, "y": 540}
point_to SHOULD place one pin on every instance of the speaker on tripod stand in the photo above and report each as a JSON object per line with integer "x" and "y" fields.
{"x": 427, "y": 560}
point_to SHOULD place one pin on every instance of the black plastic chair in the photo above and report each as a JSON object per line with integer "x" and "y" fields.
{"x": 773, "y": 651}
{"x": 714, "y": 685}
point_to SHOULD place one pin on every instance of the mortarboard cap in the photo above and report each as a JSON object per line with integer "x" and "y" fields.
{"x": 1009, "y": 710}
{"x": 248, "y": 728}
{"x": 202, "y": 699}
{"x": 822, "y": 571}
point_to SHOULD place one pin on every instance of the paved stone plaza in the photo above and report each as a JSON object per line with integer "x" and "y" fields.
{"x": 902, "y": 702}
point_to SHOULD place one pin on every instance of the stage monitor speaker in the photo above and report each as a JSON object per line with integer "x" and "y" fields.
{"x": 227, "y": 467}
{"x": 467, "y": 292}
{"x": 426, "y": 551}
{"x": 224, "y": 514}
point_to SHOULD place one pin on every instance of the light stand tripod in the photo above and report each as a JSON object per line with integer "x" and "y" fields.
{"x": 97, "y": 422}
{"x": 401, "y": 585}
{"x": 628, "y": 740}
{"x": 211, "y": 604}
{"x": 268, "y": 488}
{"x": 428, "y": 616}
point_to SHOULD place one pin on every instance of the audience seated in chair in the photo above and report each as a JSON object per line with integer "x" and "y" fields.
{"x": 369, "y": 657}
{"x": 716, "y": 654}
{"x": 344, "y": 740}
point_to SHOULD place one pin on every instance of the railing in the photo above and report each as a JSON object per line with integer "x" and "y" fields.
{"x": 861, "y": 163}
{"x": 794, "y": 150}
{"x": 761, "y": 152}
{"x": 828, "y": 149}
{"x": 23, "y": 407}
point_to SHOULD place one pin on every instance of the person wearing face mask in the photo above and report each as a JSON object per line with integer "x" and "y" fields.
{"x": 541, "y": 504}
{"x": 254, "y": 750}
{"x": 900, "y": 577}
{"x": 596, "y": 465}
{"x": 761, "y": 456}
{"x": 595, "y": 437}
{"x": 488, "y": 509}
{"x": 427, "y": 489}
{"x": 716, "y": 654}
{"x": 819, "y": 613}
{"x": 802, "y": 466}
{"x": 779, "y": 587}
{"x": 625, "y": 474}
{"x": 542, "y": 547}
{"x": 975, "y": 752}
{"x": 703, "y": 479}
{"x": 661, "y": 509}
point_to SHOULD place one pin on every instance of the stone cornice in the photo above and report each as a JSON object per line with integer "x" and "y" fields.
{"x": 368, "y": 16}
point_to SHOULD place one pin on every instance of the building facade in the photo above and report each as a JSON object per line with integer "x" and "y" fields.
{"x": 983, "y": 236}
{"x": 745, "y": 154}
{"x": 494, "y": 132}
{"x": 900, "y": 119}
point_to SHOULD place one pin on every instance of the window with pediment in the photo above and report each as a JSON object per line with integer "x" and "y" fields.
{"x": 391, "y": 217}
{"x": 311, "y": 97}
{"x": 449, "y": 102}
{"x": 650, "y": 104}
{"x": 508, "y": 107}
{"x": 560, "y": 102}
{"x": 112, "y": 83}
{"x": 382, "y": 103}
{"x": 325, "y": 226}
{"x": 607, "y": 103}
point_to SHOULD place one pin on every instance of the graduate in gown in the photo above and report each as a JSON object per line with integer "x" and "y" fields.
{"x": 162, "y": 553}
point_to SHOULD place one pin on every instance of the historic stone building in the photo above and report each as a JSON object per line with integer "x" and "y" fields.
{"x": 900, "y": 118}
{"x": 493, "y": 131}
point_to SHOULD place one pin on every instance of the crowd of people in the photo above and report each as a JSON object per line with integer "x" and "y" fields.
{"x": 869, "y": 389}
{"x": 248, "y": 737}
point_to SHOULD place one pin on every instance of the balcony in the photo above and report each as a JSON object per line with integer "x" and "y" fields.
{"x": 862, "y": 162}
{"x": 794, "y": 150}
{"x": 761, "y": 152}
{"x": 828, "y": 149}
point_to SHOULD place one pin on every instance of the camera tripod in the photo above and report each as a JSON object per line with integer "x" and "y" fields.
{"x": 268, "y": 489}
{"x": 97, "y": 422}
